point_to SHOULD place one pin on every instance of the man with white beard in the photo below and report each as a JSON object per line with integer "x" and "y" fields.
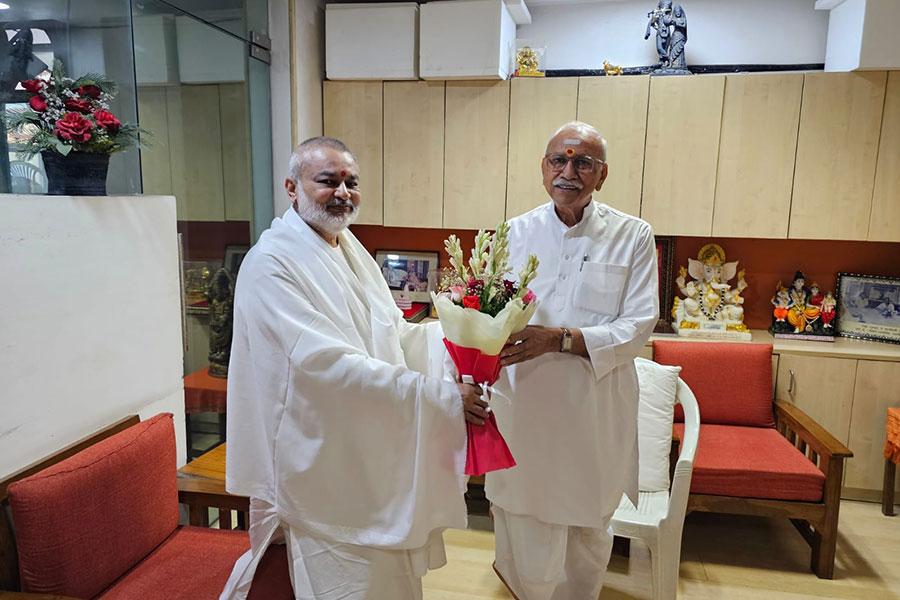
{"x": 350, "y": 458}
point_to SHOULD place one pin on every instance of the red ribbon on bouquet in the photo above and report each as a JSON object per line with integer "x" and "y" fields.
{"x": 487, "y": 450}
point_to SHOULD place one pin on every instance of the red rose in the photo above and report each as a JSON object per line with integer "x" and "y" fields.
{"x": 107, "y": 121}
{"x": 472, "y": 302}
{"x": 37, "y": 104}
{"x": 74, "y": 127}
{"x": 88, "y": 91}
{"x": 79, "y": 104}
{"x": 33, "y": 85}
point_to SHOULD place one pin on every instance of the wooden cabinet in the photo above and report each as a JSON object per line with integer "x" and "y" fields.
{"x": 413, "y": 153}
{"x": 537, "y": 108}
{"x": 475, "y": 142}
{"x": 156, "y": 173}
{"x": 840, "y": 123}
{"x": 681, "y": 153}
{"x": 760, "y": 117}
{"x": 821, "y": 387}
{"x": 884, "y": 224}
{"x": 353, "y": 113}
{"x": 877, "y": 388}
{"x": 236, "y": 151}
{"x": 617, "y": 106}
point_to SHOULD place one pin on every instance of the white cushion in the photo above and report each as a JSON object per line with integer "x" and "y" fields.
{"x": 656, "y": 409}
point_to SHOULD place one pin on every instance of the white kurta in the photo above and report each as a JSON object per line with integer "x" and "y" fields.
{"x": 572, "y": 422}
{"x": 329, "y": 432}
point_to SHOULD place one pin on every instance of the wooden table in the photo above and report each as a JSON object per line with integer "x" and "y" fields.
{"x": 201, "y": 484}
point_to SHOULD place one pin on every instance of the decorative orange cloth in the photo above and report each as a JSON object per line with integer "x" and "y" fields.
{"x": 892, "y": 443}
{"x": 204, "y": 393}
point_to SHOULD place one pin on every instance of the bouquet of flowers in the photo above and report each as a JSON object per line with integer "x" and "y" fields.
{"x": 66, "y": 114}
{"x": 479, "y": 308}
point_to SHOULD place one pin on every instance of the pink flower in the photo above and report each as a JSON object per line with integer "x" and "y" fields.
{"x": 528, "y": 298}
{"x": 472, "y": 302}
{"x": 457, "y": 292}
{"x": 37, "y": 104}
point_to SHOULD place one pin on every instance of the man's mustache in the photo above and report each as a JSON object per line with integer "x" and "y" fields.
{"x": 339, "y": 203}
{"x": 568, "y": 182}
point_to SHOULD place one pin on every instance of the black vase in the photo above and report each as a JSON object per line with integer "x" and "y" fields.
{"x": 76, "y": 174}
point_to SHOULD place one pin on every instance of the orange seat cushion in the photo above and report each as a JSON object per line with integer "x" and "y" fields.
{"x": 732, "y": 382}
{"x": 752, "y": 462}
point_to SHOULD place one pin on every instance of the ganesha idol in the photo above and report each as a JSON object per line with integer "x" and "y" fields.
{"x": 711, "y": 307}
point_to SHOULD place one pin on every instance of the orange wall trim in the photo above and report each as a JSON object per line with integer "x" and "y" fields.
{"x": 766, "y": 261}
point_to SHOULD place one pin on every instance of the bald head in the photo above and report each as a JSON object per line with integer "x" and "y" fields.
{"x": 584, "y": 134}
{"x": 306, "y": 149}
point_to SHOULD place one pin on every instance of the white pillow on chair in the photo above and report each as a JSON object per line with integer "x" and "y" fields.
{"x": 658, "y": 384}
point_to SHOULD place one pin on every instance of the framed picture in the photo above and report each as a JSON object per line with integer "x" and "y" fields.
{"x": 234, "y": 256}
{"x": 665, "y": 265}
{"x": 868, "y": 307}
{"x": 412, "y": 274}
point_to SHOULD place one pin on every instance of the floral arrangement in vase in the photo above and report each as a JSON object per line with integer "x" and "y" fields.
{"x": 479, "y": 307}
{"x": 69, "y": 123}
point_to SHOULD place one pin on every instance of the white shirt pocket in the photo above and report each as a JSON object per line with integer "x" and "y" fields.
{"x": 599, "y": 287}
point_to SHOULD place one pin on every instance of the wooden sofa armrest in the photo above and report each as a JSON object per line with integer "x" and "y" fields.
{"x": 201, "y": 494}
{"x": 789, "y": 418}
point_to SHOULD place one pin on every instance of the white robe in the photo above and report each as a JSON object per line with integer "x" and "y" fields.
{"x": 329, "y": 432}
{"x": 572, "y": 422}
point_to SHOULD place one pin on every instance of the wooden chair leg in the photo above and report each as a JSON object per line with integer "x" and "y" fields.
{"x": 824, "y": 540}
{"x": 887, "y": 491}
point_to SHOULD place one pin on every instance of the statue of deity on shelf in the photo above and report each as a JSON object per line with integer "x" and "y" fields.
{"x": 711, "y": 306}
{"x": 802, "y": 311}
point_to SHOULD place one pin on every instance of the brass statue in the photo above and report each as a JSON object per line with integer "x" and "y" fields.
{"x": 527, "y": 63}
{"x": 611, "y": 69}
{"x": 221, "y": 316}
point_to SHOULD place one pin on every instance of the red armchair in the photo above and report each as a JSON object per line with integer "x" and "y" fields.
{"x": 104, "y": 524}
{"x": 753, "y": 457}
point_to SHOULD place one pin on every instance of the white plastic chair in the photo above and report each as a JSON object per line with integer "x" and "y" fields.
{"x": 659, "y": 517}
{"x": 26, "y": 178}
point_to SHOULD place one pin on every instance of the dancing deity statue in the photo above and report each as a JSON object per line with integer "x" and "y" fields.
{"x": 711, "y": 307}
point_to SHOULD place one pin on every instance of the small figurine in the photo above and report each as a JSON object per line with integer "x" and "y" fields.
{"x": 803, "y": 312}
{"x": 670, "y": 23}
{"x": 711, "y": 307}
{"x": 221, "y": 316}
{"x": 527, "y": 63}
{"x": 610, "y": 69}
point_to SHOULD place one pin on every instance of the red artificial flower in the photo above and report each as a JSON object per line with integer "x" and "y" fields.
{"x": 74, "y": 127}
{"x": 37, "y": 104}
{"x": 107, "y": 121}
{"x": 79, "y": 104}
{"x": 33, "y": 85}
{"x": 528, "y": 298}
{"x": 472, "y": 302}
{"x": 88, "y": 91}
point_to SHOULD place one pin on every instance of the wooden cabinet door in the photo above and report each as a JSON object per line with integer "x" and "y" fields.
{"x": 617, "y": 107}
{"x": 681, "y": 155}
{"x": 475, "y": 142}
{"x": 760, "y": 117}
{"x": 840, "y": 122}
{"x": 413, "y": 153}
{"x": 884, "y": 224}
{"x": 353, "y": 113}
{"x": 877, "y": 388}
{"x": 820, "y": 387}
{"x": 537, "y": 108}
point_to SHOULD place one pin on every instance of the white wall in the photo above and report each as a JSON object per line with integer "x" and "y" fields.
{"x": 879, "y": 45}
{"x": 289, "y": 127}
{"x": 582, "y": 35}
{"x": 90, "y": 319}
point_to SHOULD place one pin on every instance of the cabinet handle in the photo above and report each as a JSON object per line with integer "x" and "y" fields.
{"x": 791, "y": 382}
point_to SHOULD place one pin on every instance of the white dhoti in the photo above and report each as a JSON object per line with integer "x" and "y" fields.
{"x": 546, "y": 561}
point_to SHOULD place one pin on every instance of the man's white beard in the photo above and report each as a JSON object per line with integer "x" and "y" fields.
{"x": 318, "y": 217}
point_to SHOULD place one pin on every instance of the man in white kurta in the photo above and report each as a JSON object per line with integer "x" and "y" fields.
{"x": 350, "y": 458}
{"x": 572, "y": 420}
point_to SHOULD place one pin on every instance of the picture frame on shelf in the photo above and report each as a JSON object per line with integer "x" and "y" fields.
{"x": 412, "y": 274}
{"x": 868, "y": 307}
{"x": 234, "y": 256}
{"x": 665, "y": 265}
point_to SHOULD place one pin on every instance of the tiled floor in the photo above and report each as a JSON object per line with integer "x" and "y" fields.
{"x": 724, "y": 557}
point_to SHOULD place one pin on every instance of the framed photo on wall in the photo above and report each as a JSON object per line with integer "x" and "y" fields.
{"x": 234, "y": 256}
{"x": 413, "y": 274}
{"x": 868, "y": 307}
{"x": 665, "y": 265}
